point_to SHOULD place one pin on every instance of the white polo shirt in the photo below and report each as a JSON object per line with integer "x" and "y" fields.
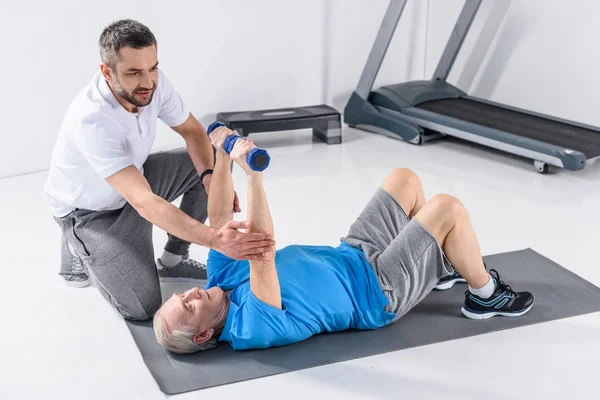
{"x": 98, "y": 138}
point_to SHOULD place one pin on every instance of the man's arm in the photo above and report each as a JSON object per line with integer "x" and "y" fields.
{"x": 172, "y": 111}
{"x": 134, "y": 187}
{"x": 101, "y": 140}
{"x": 264, "y": 282}
{"x": 197, "y": 144}
{"x": 221, "y": 192}
{"x": 201, "y": 152}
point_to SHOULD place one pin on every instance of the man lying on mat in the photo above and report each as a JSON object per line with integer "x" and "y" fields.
{"x": 397, "y": 251}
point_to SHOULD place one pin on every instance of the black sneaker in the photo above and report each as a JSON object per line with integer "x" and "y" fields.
{"x": 504, "y": 302}
{"x": 71, "y": 268}
{"x": 187, "y": 270}
{"x": 448, "y": 281}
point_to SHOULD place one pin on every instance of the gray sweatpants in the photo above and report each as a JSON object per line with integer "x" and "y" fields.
{"x": 116, "y": 245}
{"x": 406, "y": 257}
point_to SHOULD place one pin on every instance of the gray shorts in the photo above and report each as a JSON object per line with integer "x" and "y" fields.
{"x": 406, "y": 257}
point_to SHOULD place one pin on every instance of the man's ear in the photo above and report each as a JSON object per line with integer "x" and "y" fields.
{"x": 202, "y": 337}
{"x": 106, "y": 71}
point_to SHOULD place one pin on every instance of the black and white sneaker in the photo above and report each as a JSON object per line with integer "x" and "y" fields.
{"x": 188, "y": 270}
{"x": 504, "y": 302}
{"x": 448, "y": 281}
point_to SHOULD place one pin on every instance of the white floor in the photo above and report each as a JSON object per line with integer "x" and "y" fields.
{"x": 62, "y": 343}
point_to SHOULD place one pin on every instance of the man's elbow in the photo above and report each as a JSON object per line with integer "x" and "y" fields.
{"x": 145, "y": 205}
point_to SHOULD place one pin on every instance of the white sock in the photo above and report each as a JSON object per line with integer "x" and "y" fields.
{"x": 486, "y": 291}
{"x": 170, "y": 259}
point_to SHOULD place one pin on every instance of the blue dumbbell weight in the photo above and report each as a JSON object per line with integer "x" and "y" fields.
{"x": 257, "y": 159}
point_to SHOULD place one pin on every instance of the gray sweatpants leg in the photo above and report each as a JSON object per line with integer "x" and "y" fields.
{"x": 116, "y": 245}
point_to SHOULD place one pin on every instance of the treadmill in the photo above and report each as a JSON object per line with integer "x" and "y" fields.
{"x": 419, "y": 111}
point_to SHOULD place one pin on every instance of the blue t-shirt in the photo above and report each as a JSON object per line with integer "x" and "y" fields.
{"x": 323, "y": 289}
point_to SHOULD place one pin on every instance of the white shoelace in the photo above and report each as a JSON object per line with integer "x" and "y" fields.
{"x": 193, "y": 263}
{"x": 77, "y": 266}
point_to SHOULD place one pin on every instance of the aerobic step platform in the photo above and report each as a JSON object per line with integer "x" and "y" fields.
{"x": 325, "y": 121}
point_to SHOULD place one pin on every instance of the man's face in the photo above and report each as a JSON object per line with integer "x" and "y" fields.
{"x": 195, "y": 308}
{"x": 136, "y": 75}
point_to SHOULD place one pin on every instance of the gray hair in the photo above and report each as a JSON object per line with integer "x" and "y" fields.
{"x": 123, "y": 33}
{"x": 181, "y": 339}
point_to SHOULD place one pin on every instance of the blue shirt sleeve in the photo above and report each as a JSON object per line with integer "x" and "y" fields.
{"x": 258, "y": 325}
{"x": 226, "y": 272}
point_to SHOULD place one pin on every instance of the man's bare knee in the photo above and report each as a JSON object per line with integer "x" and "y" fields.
{"x": 405, "y": 186}
{"x": 402, "y": 177}
{"x": 440, "y": 214}
{"x": 449, "y": 206}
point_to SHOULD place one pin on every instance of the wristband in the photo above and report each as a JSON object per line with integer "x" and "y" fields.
{"x": 208, "y": 171}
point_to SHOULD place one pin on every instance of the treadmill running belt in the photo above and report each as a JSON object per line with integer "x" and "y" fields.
{"x": 560, "y": 134}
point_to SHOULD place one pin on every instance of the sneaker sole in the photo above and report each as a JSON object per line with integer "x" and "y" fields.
{"x": 487, "y": 315}
{"x": 79, "y": 284}
{"x": 449, "y": 284}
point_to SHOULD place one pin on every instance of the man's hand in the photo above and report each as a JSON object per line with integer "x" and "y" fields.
{"x": 242, "y": 246}
{"x": 217, "y": 138}
{"x": 240, "y": 151}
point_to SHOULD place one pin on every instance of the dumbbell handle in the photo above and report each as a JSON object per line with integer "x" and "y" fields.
{"x": 257, "y": 159}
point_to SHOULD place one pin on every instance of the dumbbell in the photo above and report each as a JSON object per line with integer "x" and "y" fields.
{"x": 257, "y": 159}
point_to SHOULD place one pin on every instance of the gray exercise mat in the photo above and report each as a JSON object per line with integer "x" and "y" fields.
{"x": 559, "y": 294}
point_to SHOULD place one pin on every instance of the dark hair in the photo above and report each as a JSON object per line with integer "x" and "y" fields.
{"x": 123, "y": 33}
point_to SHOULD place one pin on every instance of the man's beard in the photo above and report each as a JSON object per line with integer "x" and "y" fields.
{"x": 129, "y": 96}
